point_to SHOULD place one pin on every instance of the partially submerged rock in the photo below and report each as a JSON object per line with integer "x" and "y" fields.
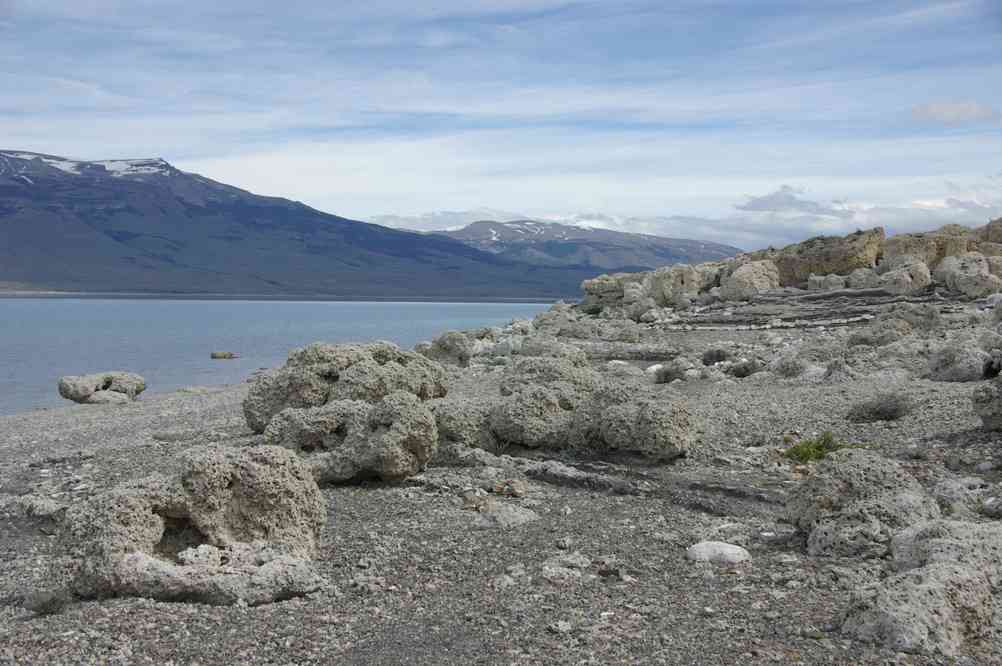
{"x": 227, "y": 525}
{"x": 102, "y": 388}
{"x": 319, "y": 373}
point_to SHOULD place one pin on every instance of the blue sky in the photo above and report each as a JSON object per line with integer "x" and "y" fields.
{"x": 754, "y": 121}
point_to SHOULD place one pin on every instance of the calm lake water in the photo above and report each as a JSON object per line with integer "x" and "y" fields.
{"x": 168, "y": 341}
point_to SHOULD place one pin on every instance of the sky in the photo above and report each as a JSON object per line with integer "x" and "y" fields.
{"x": 752, "y": 122}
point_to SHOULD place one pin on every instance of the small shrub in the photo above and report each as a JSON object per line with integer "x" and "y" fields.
{"x": 47, "y": 602}
{"x": 883, "y": 407}
{"x": 789, "y": 367}
{"x": 811, "y": 450}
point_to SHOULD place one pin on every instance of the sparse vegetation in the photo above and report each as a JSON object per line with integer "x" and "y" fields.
{"x": 882, "y": 407}
{"x": 812, "y": 450}
{"x": 789, "y": 367}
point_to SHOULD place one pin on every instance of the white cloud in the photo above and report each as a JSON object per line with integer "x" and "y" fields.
{"x": 956, "y": 113}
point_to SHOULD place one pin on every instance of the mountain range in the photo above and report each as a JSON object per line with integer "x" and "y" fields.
{"x": 144, "y": 226}
{"x": 554, "y": 244}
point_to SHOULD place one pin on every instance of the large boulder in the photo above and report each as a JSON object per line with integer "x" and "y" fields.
{"x": 941, "y": 597}
{"x": 750, "y": 279}
{"x": 346, "y": 440}
{"x": 968, "y": 274}
{"x": 226, "y": 525}
{"x": 855, "y": 502}
{"x": 102, "y": 387}
{"x": 955, "y": 363}
{"x": 464, "y": 421}
{"x": 825, "y": 255}
{"x": 931, "y": 247}
{"x": 932, "y": 610}
{"x": 907, "y": 275}
{"x": 319, "y": 373}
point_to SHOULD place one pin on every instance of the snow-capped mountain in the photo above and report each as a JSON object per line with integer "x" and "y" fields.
{"x": 141, "y": 225}
{"x": 554, "y": 244}
{"x": 23, "y": 165}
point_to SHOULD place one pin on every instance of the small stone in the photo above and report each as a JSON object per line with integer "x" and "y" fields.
{"x": 564, "y": 543}
{"x": 560, "y": 627}
{"x": 717, "y": 552}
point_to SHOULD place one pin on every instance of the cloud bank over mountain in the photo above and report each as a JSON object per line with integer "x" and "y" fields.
{"x": 638, "y": 108}
{"x": 785, "y": 215}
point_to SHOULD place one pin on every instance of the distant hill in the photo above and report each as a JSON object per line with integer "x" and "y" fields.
{"x": 553, "y": 244}
{"x": 145, "y": 226}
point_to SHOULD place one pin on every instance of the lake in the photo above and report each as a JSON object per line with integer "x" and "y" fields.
{"x": 168, "y": 341}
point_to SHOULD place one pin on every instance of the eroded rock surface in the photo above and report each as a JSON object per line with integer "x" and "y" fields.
{"x": 227, "y": 525}
{"x": 320, "y": 373}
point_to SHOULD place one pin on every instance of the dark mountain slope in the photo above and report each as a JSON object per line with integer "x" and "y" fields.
{"x": 144, "y": 226}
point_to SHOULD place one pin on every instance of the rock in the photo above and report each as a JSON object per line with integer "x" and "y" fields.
{"x": 987, "y": 403}
{"x": 464, "y": 421}
{"x": 931, "y": 610}
{"x": 750, "y": 279}
{"x": 975, "y": 545}
{"x": 825, "y": 282}
{"x": 504, "y": 516}
{"x": 863, "y": 278}
{"x": 552, "y": 348}
{"x": 346, "y": 439}
{"x": 952, "y": 363}
{"x": 534, "y": 371}
{"x": 535, "y": 417}
{"x": 717, "y": 552}
{"x": 855, "y": 502}
{"x": 222, "y": 355}
{"x": 82, "y": 388}
{"x": 968, "y": 274}
{"x": 931, "y": 247}
{"x": 825, "y": 255}
{"x": 452, "y": 348}
{"x": 108, "y": 398}
{"x": 227, "y": 525}
{"x": 909, "y": 276}
{"x": 318, "y": 373}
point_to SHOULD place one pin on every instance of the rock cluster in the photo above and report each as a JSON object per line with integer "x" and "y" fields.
{"x": 965, "y": 261}
{"x": 227, "y": 526}
{"x": 943, "y": 572}
{"x": 115, "y": 387}
{"x": 320, "y": 373}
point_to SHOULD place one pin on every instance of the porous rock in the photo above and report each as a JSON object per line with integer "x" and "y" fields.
{"x": 84, "y": 388}
{"x": 226, "y": 525}
{"x": 855, "y": 502}
{"x": 933, "y": 609}
{"x": 319, "y": 373}
{"x": 350, "y": 439}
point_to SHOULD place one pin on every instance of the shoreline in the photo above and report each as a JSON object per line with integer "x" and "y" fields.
{"x": 305, "y": 298}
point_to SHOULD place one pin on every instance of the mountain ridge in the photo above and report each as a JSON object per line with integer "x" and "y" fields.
{"x": 144, "y": 226}
{"x": 556, "y": 244}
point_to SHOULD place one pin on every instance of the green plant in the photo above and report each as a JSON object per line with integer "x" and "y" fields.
{"x": 811, "y": 450}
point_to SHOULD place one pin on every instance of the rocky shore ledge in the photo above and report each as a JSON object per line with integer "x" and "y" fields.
{"x": 788, "y": 457}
